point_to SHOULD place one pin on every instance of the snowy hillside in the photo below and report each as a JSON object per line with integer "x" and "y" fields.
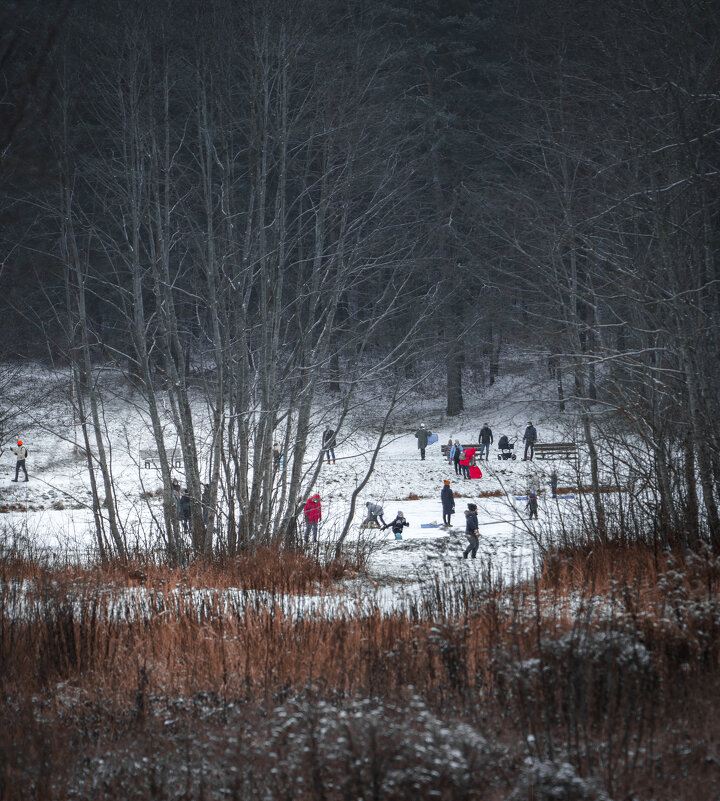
{"x": 52, "y": 511}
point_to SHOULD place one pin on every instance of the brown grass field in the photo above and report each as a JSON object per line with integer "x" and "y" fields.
{"x": 598, "y": 680}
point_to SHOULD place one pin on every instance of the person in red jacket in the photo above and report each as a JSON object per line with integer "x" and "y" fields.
{"x": 313, "y": 515}
{"x": 467, "y": 458}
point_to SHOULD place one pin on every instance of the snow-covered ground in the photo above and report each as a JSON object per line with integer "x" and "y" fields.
{"x": 52, "y": 511}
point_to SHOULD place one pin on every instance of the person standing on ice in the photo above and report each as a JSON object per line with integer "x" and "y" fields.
{"x": 21, "y": 453}
{"x": 471, "y": 531}
{"x": 448, "y": 502}
{"x": 328, "y": 444}
{"x": 529, "y": 438}
{"x": 374, "y": 514}
{"x": 313, "y": 515}
{"x": 485, "y": 440}
{"x": 397, "y": 525}
{"x": 422, "y": 435}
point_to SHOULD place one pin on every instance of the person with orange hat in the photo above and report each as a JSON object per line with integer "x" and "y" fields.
{"x": 21, "y": 452}
{"x": 448, "y": 502}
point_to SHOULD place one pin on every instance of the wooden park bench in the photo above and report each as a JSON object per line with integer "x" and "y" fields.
{"x": 445, "y": 449}
{"x": 553, "y": 450}
{"x": 151, "y": 458}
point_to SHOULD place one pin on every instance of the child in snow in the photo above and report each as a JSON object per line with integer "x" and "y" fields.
{"x": 397, "y": 525}
{"x": 21, "y": 453}
{"x": 449, "y": 451}
{"x": 532, "y": 505}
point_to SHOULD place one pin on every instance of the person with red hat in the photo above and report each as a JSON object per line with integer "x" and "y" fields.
{"x": 21, "y": 452}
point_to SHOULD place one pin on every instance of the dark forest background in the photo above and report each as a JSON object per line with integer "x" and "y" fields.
{"x": 263, "y": 193}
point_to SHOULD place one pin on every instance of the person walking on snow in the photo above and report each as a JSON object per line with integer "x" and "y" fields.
{"x": 485, "y": 439}
{"x": 529, "y": 438}
{"x": 422, "y": 435}
{"x": 448, "y": 502}
{"x": 397, "y": 525}
{"x": 313, "y": 515}
{"x": 532, "y": 505}
{"x": 455, "y": 453}
{"x": 328, "y": 444}
{"x": 374, "y": 514}
{"x": 471, "y": 531}
{"x": 21, "y": 453}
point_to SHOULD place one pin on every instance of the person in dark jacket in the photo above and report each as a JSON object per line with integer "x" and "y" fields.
{"x": 185, "y": 510}
{"x": 532, "y": 505}
{"x": 374, "y": 514}
{"x": 397, "y": 525}
{"x": 455, "y": 453}
{"x": 448, "y": 502}
{"x": 21, "y": 453}
{"x": 471, "y": 531}
{"x": 529, "y": 438}
{"x": 329, "y": 444}
{"x": 422, "y": 435}
{"x": 485, "y": 439}
{"x": 553, "y": 483}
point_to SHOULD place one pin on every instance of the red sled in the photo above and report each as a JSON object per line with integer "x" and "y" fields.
{"x": 475, "y": 471}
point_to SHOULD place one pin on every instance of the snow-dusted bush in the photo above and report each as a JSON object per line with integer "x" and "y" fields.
{"x": 384, "y": 750}
{"x": 554, "y": 781}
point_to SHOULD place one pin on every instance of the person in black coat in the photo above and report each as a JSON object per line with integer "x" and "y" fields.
{"x": 448, "y": 502}
{"x": 329, "y": 444}
{"x": 185, "y": 510}
{"x": 471, "y": 531}
{"x": 485, "y": 440}
{"x": 529, "y": 438}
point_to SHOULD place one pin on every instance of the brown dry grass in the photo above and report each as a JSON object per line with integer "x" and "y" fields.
{"x": 609, "y": 660}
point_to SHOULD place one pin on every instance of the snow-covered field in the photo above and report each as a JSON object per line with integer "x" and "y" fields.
{"x": 52, "y": 511}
